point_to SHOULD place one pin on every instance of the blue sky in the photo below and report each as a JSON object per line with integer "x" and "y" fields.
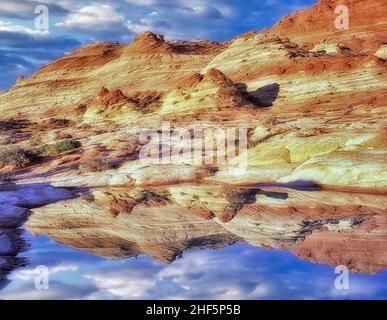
{"x": 73, "y": 23}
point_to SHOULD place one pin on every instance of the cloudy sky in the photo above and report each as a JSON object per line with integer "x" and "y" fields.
{"x": 24, "y": 48}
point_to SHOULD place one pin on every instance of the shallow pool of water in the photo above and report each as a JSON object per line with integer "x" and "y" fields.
{"x": 239, "y": 271}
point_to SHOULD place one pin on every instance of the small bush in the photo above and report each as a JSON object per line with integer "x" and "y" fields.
{"x": 61, "y": 146}
{"x": 54, "y": 123}
{"x": 95, "y": 165}
{"x": 17, "y": 156}
{"x": 59, "y": 122}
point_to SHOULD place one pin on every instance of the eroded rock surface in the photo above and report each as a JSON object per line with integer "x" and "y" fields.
{"x": 311, "y": 98}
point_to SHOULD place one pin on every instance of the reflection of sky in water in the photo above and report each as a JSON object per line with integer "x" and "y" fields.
{"x": 236, "y": 272}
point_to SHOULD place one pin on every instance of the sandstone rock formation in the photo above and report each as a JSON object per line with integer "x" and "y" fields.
{"x": 312, "y": 99}
{"x": 367, "y": 28}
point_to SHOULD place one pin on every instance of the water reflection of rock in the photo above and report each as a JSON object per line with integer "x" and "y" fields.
{"x": 336, "y": 228}
{"x": 12, "y": 243}
{"x": 162, "y": 232}
{"x": 14, "y": 201}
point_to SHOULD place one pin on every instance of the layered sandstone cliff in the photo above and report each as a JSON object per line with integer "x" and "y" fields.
{"x": 312, "y": 99}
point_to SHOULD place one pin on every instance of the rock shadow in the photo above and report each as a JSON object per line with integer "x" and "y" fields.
{"x": 300, "y": 185}
{"x": 267, "y": 95}
{"x": 263, "y": 97}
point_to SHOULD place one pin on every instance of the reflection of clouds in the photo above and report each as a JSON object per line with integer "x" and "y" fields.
{"x": 197, "y": 276}
{"x": 208, "y": 274}
{"x": 236, "y": 272}
{"x": 12, "y": 245}
{"x": 357, "y": 287}
{"x": 57, "y": 291}
{"x": 126, "y": 282}
{"x": 233, "y": 273}
{"x": 30, "y": 274}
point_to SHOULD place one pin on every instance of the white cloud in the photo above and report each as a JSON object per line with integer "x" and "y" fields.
{"x": 147, "y": 2}
{"x": 138, "y": 26}
{"x": 10, "y": 6}
{"x": 262, "y": 290}
{"x": 19, "y": 36}
{"x": 95, "y": 18}
{"x": 9, "y": 27}
{"x": 25, "y": 9}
